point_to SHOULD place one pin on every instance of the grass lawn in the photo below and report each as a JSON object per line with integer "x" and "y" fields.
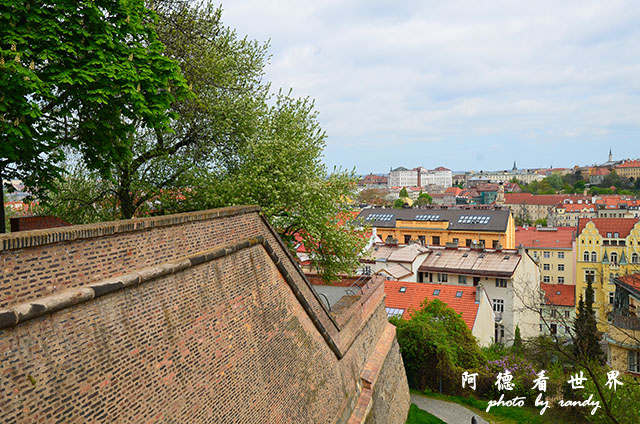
{"x": 418, "y": 416}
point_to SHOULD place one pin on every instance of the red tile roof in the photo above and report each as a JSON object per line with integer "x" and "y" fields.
{"x": 622, "y": 226}
{"x": 574, "y": 207}
{"x": 373, "y": 179}
{"x": 453, "y": 191}
{"x": 559, "y": 294}
{"x": 601, "y": 171}
{"x": 630, "y": 164}
{"x": 540, "y": 199}
{"x": 416, "y": 293}
{"x": 442, "y": 168}
{"x": 539, "y": 237}
{"x": 633, "y": 280}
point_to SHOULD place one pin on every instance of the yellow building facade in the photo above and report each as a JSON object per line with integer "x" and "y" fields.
{"x": 439, "y": 233}
{"x": 606, "y": 248}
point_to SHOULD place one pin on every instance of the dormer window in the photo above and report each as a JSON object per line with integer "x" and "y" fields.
{"x": 608, "y": 235}
{"x": 616, "y": 235}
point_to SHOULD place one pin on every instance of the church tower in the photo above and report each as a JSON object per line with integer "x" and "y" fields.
{"x": 610, "y": 156}
{"x": 515, "y": 168}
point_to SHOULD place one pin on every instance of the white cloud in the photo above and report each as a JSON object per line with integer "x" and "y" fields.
{"x": 395, "y": 79}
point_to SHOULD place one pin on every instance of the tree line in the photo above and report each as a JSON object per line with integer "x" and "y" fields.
{"x": 114, "y": 110}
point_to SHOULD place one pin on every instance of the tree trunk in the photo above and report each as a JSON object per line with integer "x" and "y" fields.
{"x": 124, "y": 195}
{"x": 3, "y": 226}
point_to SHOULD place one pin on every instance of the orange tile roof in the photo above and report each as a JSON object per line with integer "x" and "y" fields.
{"x": 633, "y": 280}
{"x": 630, "y": 164}
{"x": 416, "y": 293}
{"x": 559, "y": 294}
{"x": 574, "y": 207}
{"x": 453, "y": 191}
{"x": 561, "y": 237}
{"x": 601, "y": 171}
{"x": 622, "y": 226}
{"x": 530, "y": 199}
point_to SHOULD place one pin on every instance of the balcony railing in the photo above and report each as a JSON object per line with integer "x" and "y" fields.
{"x": 628, "y": 323}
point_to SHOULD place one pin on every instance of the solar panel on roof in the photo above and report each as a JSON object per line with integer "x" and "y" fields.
{"x": 474, "y": 219}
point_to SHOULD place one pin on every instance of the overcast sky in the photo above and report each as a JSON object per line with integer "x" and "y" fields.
{"x": 463, "y": 84}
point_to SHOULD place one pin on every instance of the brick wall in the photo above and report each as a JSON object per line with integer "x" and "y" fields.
{"x": 29, "y": 223}
{"x": 234, "y": 335}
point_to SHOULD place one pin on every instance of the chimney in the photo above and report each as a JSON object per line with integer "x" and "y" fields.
{"x": 479, "y": 292}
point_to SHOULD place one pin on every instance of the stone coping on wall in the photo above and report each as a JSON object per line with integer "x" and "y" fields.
{"x": 354, "y": 315}
{"x": 24, "y": 239}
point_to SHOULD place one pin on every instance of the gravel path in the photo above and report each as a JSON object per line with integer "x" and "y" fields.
{"x": 449, "y": 412}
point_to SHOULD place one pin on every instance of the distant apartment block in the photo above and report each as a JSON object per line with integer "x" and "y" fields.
{"x": 552, "y": 249}
{"x": 503, "y": 176}
{"x": 567, "y": 215}
{"x": 420, "y": 177}
{"x": 629, "y": 169}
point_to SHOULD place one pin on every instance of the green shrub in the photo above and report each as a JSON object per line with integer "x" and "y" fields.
{"x": 437, "y": 347}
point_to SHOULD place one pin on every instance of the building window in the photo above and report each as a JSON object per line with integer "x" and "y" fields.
{"x": 634, "y": 258}
{"x": 553, "y": 328}
{"x": 442, "y": 278}
{"x": 590, "y": 275}
{"x": 501, "y": 282}
{"x": 634, "y": 361}
{"x": 455, "y": 240}
{"x": 407, "y": 239}
{"x": 459, "y": 294}
{"x": 560, "y": 267}
{"x": 467, "y": 242}
{"x": 421, "y": 239}
{"x": 435, "y": 240}
{"x": 608, "y": 235}
{"x": 553, "y": 313}
{"x": 462, "y": 279}
{"x": 546, "y": 279}
{"x": 611, "y": 294}
{"x": 594, "y": 257}
{"x": 560, "y": 255}
{"x": 495, "y": 244}
{"x": 436, "y": 292}
{"x": 586, "y": 257}
{"x": 546, "y": 267}
{"x": 616, "y": 235}
{"x": 560, "y": 280}
{"x": 394, "y": 312}
{"x": 547, "y": 254}
{"x": 567, "y": 314}
{"x": 614, "y": 258}
{"x": 498, "y": 305}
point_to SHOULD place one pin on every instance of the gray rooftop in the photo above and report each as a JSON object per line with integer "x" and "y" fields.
{"x": 472, "y": 262}
{"x": 461, "y": 219}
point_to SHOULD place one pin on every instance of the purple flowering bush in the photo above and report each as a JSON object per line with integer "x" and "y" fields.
{"x": 522, "y": 371}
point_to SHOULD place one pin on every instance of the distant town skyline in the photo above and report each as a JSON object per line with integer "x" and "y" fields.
{"x": 466, "y": 85}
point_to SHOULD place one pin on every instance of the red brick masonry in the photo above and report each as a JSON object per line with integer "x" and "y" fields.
{"x": 189, "y": 318}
